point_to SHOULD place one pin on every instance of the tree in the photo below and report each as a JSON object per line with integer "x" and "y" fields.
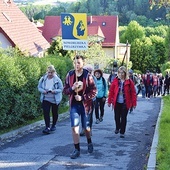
{"x": 95, "y": 55}
{"x": 142, "y": 54}
{"x": 160, "y": 31}
{"x": 160, "y": 2}
{"x": 134, "y": 30}
{"x": 56, "y": 48}
{"x": 167, "y": 44}
{"x": 159, "y": 51}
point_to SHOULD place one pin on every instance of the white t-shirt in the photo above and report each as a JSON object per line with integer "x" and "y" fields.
{"x": 49, "y": 84}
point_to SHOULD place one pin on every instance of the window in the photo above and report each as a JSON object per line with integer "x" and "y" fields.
{"x": 103, "y": 23}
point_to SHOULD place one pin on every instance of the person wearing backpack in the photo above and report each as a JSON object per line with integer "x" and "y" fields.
{"x": 102, "y": 93}
{"x": 50, "y": 86}
{"x": 122, "y": 97}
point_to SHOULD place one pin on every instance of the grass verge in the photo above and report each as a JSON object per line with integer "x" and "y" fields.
{"x": 163, "y": 150}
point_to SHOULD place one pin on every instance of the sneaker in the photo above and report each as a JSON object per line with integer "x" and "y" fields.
{"x": 90, "y": 147}
{"x": 46, "y": 131}
{"x": 75, "y": 154}
{"x": 122, "y": 136}
{"x": 53, "y": 128}
{"x": 82, "y": 133}
{"x": 97, "y": 121}
{"x": 101, "y": 119}
{"x": 116, "y": 131}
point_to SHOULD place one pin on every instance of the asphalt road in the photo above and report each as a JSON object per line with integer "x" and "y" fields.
{"x": 35, "y": 151}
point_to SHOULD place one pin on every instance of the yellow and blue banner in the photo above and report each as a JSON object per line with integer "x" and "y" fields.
{"x": 74, "y": 31}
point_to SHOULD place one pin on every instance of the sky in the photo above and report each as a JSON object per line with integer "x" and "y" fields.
{"x": 43, "y": 2}
{"x": 67, "y": 0}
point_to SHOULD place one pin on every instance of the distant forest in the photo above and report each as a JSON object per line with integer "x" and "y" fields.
{"x": 127, "y": 10}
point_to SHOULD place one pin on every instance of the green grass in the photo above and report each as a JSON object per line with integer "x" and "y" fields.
{"x": 62, "y": 109}
{"x": 163, "y": 150}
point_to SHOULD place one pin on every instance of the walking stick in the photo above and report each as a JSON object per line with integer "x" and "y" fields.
{"x": 125, "y": 53}
{"x": 127, "y": 60}
{"x": 76, "y": 72}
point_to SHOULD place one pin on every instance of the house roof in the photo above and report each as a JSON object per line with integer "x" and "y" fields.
{"x": 102, "y": 26}
{"x": 95, "y": 31}
{"x": 109, "y": 27}
{"x": 19, "y": 30}
{"x": 51, "y": 27}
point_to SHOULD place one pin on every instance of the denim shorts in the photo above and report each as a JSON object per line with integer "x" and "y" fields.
{"x": 77, "y": 111}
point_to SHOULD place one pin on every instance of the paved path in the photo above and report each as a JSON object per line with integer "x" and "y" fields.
{"x": 35, "y": 151}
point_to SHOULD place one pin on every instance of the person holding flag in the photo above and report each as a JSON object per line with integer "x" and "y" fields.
{"x": 80, "y": 87}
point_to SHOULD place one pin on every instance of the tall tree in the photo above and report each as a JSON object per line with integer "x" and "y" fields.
{"x": 167, "y": 44}
{"x": 134, "y": 30}
{"x": 160, "y": 2}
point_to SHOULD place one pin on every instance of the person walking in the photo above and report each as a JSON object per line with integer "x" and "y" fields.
{"x": 134, "y": 78}
{"x": 139, "y": 79}
{"x": 90, "y": 115}
{"x": 50, "y": 86}
{"x": 160, "y": 83}
{"x": 80, "y": 87}
{"x": 155, "y": 84}
{"x": 148, "y": 81}
{"x": 166, "y": 84}
{"x": 111, "y": 78}
{"x": 122, "y": 97}
{"x": 102, "y": 93}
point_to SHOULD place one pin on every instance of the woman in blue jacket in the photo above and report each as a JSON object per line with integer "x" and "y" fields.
{"x": 50, "y": 86}
{"x": 102, "y": 92}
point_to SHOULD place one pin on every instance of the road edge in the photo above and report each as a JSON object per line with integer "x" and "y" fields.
{"x": 152, "y": 155}
{"x": 30, "y": 127}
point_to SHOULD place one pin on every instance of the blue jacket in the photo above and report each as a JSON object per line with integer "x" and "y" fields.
{"x": 102, "y": 89}
{"x": 57, "y": 87}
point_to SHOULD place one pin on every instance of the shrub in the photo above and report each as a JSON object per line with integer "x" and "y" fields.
{"x": 19, "y": 76}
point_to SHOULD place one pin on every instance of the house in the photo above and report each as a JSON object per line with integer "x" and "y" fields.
{"x": 17, "y": 31}
{"x": 104, "y": 28}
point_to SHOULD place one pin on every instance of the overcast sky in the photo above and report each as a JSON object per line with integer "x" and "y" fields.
{"x": 67, "y": 0}
{"x": 43, "y": 2}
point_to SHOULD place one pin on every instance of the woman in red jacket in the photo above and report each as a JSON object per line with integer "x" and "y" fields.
{"x": 122, "y": 96}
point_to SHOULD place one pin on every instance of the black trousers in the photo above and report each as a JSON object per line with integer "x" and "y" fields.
{"x": 120, "y": 113}
{"x": 46, "y": 105}
{"x": 166, "y": 88}
{"x": 99, "y": 105}
{"x": 90, "y": 117}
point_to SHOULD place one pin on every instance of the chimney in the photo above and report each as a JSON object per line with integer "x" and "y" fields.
{"x": 91, "y": 19}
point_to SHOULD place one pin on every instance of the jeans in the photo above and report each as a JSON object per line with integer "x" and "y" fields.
{"x": 148, "y": 90}
{"x": 77, "y": 111}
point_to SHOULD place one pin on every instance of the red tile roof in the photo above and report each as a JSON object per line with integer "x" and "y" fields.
{"x": 109, "y": 27}
{"x": 21, "y": 32}
{"x": 51, "y": 27}
{"x": 95, "y": 31}
{"x": 109, "y": 31}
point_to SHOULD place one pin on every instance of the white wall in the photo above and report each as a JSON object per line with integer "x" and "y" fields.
{"x": 4, "y": 43}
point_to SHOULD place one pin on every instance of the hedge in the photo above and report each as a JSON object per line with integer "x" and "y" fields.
{"x": 19, "y": 77}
